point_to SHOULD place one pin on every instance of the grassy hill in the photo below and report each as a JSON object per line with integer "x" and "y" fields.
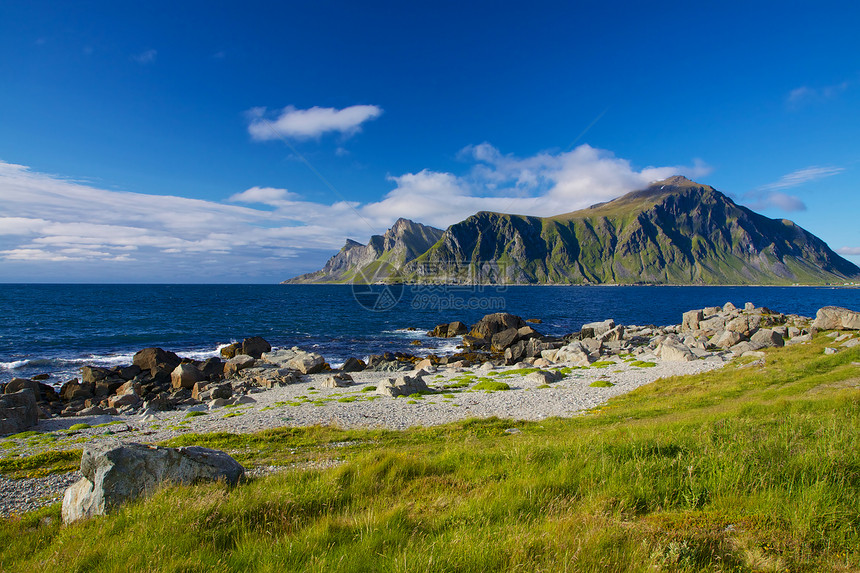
{"x": 674, "y": 232}
{"x": 754, "y": 467}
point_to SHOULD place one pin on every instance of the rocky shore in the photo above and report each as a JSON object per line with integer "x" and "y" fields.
{"x": 505, "y": 368}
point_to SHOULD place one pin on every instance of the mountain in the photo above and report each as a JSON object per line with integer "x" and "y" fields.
{"x": 400, "y": 244}
{"x": 674, "y": 232}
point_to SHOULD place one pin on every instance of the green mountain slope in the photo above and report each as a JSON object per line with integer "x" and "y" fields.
{"x": 674, "y": 232}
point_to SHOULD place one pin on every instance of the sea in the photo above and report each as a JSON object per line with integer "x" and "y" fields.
{"x": 55, "y": 329}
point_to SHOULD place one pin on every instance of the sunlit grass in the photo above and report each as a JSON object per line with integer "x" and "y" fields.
{"x": 747, "y": 468}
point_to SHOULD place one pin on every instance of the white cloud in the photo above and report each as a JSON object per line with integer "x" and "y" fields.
{"x": 804, "y": 95}
{"x": 145, "y": 57}
{"x": 544, "y": 184}
{"x": 801, "y": 176}
{"x": 309, "y": 123}
{"x": 848, "y": 251}
{"x": 774, "y": 200}
{"x": 270, "y": 231}
{"x": 771, "y": 196}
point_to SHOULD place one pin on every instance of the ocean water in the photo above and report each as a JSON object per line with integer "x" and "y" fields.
{"x": 56, "y": 329}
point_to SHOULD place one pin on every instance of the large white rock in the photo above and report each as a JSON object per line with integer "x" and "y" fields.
{"x": 575, "y": 353}
{"x": 18, "y": 411}
{"x": 403, "y": 386}
{"x": 115, "y": 473}
{"x": 672, "y": 351}
{"x": 835, "y": 317}
{"x": 600, "y": 327}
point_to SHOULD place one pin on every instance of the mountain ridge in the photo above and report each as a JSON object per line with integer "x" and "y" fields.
{"x": 675, "y": 231}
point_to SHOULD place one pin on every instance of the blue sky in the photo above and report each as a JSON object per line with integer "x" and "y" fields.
{"x": 244, "y": 142}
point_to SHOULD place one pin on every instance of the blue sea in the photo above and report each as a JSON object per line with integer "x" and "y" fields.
{"x": 55, "y": 329}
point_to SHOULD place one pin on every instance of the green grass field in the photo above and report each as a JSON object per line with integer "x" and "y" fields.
{"x": 748, "y": 468}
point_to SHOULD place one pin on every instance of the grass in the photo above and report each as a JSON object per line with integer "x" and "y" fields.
{"x": 40, "y": 465}
{"x": 76, "y": 427}
{"x": 491, "y": 386}
{"x": 643, "y": 364}
{"x": 740, "y": 469}
{"x": 601, "y": 384}
{"x": 195, "y": 414}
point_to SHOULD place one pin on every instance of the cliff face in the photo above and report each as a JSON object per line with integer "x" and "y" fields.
{"x": 400, "y": 244}
{"x": 674, "y": 232}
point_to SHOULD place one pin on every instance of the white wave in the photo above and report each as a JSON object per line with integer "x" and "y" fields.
{"x": 405, "y": 332}
{"x": 14, "y": 364}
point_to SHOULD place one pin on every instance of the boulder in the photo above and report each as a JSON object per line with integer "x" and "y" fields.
{"x": 493, "y": 323}
{"x": 690, "y": 320}
{"x": 255, "y": 346}
{"x": 449, "y": 330}
{"x": 185, "y": 376}
{"x": 713, "y": 325}
{"x": 598, "y": 328}
{"x": 231, "y": 350}
{"x": 353, "y": 365}
{"x": 338, "y": 380}
{"x": 402, "y": 386}
{"x": 74, "y": 390}
{"x": 726, "y": 339}
{"x": 544, "y": 377}
{"x": 766, "y": 338}
{"x": 307, "y": 363}
{"x": 151, "y": 358}
{"x": 93, "y": 374}
{"x": 502, "y": 340}
{"x": 206, "y": 392}
{"x": 575, "y": 353}
{"x": 474, "y": 342}
{"x": 238, "y": 363}
{"x": 672, "y": 351}
{"x": 614, "y": 334}
{"x": 116, "y": 473}
{"x": 128, "y": 372}
{"x": 836, "y": 318}
{"x": 18, "y": 411}
{"x": 527, "y": 332}
{"x": 212, "y": 368}
{"x": 18, "y": 384}
{"x": 516, "y": 352}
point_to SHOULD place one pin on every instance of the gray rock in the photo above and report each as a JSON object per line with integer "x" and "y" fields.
{"x": 150, "y": 358}
{"x": 726, "y": 339}
{"x": 238, "y": 363}
{"x": 544, "y": 377}
{"x": 402, "y": 386}
{"x": 218, "y": 403}
{"x": 255, "y": 346}
{"x": 691, "y": 319}
{"x": 613, "y": 334}
{"x": 338, "y": 380}
{"x": 672, "y": 351}
{"x": 18, "y": 411}
{"x": 851, "y": 343}
{"x": 599, "y": 328}
{"x": 185, "y": 376}
{"x": 836, "y": 318}
{"x": 767, "y": 338}
{"x": 575, "y": 353}
{"x": 353, "y": 365}
{"x": 504, "y": 339}
{"x": 307, "y": 363}
{"x": 116, "y": 473}
{"x": 830, "y": 350}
